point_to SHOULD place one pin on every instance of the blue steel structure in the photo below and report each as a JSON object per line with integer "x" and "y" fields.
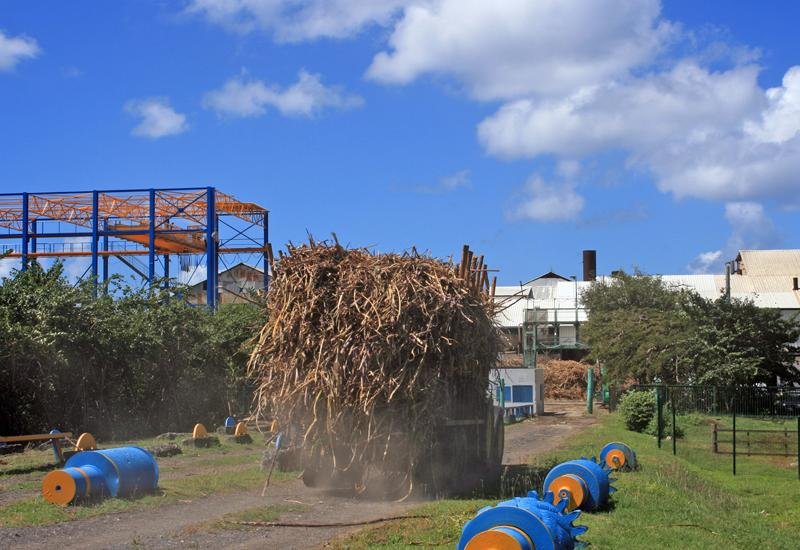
{"x": 200, "y": 225}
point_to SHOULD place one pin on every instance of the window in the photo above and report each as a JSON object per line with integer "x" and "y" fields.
{"x": 506, "y": 394}
{"x": 522, "y": 394}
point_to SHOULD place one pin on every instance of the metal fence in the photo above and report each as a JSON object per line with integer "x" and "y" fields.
{"x": 777, "y": 402}
{"x": 756, "y": 401}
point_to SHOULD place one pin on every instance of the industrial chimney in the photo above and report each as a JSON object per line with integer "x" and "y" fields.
{"x": 589, "y": 265}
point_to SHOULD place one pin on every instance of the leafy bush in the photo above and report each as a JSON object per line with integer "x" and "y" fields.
{"x": 637, "y": 409}
{"x": 132, "y": 362}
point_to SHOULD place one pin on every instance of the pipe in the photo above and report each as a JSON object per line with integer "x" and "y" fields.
{"x": 589, "y": 265}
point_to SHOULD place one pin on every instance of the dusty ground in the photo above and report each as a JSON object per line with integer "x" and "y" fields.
{"x": 187, "y": 524}
{"x": 541, "y": 434}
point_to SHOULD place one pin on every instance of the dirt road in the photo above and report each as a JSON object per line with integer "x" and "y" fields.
{"x": 188, "y": 524}
{"x": 544, "y": 433}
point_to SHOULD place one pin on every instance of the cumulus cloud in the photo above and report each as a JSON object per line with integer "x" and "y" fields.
{"x": 706, "y": 262}
{"x": 297, "y": 20}
{"x": 714, "y": 135}
{"x": 751, "y": 228}
{"x": 159, "y": 119}
{"x": 240, "y": 97}
{"x": 14, "y": 49}
{"x": 515, "y": 47}
{"x": 547, "y": 202}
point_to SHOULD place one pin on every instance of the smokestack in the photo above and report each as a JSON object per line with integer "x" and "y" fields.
{"x": 795, "y": 285}
{"x": 589, "y": 265}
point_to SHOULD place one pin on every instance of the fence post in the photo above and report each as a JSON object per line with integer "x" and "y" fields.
{"x": 734, "y": 440}
{"x": 798, "y": 447}
{"x": 674, "y": 439}
{"x": 659, "y": 424}
{"x": 714, "y": 443}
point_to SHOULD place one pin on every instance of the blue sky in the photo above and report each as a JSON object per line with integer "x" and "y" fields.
{"x": 664, "y": 135}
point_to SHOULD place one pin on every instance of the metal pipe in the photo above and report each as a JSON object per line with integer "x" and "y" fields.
{"x": 728, "y": 281}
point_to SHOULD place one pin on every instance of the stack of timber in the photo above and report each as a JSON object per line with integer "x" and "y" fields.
{"x": 377, "y": 367}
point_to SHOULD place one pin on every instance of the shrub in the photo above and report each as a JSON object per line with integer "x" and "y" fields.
{"x": 637, "y": 409}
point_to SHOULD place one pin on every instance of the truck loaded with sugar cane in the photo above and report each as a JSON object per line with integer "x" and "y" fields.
{"x": 376, "y": 366}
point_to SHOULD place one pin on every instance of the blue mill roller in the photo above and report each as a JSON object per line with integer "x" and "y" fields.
{"x": 582, "y": 483}
{"x": 522, "y": 523}
{"x": 119, "y": 472}
{"x": 618, "y": 456}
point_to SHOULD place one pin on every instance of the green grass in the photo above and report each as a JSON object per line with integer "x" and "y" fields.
{"x": 691, "y": 500}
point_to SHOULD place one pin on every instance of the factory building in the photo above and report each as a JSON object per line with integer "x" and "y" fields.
{"x": 234, "y": 286}
{"x": 769, "y": 278}
{"x": 543, "y": 316}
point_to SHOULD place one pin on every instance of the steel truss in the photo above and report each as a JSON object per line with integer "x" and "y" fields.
{"x": 156, "y": 223}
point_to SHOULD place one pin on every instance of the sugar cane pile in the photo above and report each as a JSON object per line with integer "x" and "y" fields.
{"x": 566, "y": 379}
{"x": 365, "y": 356}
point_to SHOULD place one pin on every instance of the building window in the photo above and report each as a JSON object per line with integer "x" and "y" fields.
{"x": 506, "y": 394}
{"x": 522, "y": 394}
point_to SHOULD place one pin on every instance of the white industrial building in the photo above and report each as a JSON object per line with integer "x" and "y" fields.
{"x": 769, "y": 278}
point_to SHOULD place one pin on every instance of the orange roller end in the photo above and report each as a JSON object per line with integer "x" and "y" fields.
{"x": 615, "y": 459}
{"x": 567, "y": 483}
{"x": 58, "y": 487}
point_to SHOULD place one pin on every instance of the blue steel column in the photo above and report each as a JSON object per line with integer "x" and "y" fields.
{"x": 211, "y": 248}
{"x": 95, "y": 223}
{"x": 166, "y": 270}
{"x": 151, "y": 253}
{"x": 32, "y": 230}
{"x": 266, "y": 256}
{"x": 105, "y": 256}
{"x": 24, "y": 231}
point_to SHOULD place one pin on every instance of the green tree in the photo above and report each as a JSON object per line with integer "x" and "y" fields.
{"x": 737, "y": 342}
{"x": 133, "y": 361}
{"x": 637, "y": 328}
{"x": 643, "y": 330}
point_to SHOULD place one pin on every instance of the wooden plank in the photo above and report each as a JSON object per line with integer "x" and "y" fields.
{"x": 33, "y": 437}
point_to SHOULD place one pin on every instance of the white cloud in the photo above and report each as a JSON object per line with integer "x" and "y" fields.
{"x": 780, "y": 121}
{"x": 239, "y": 97}
{"x": 714, "y": 135}
{"x": 706, "y": 262}
{"x": 14, "y": 49}
{"x": 547, "y": 202}
{"x": 751, "y": 228}
{"x": 159, "y": 119}
{"x": 298, "y": 20}
{"x": 516, "y": 47}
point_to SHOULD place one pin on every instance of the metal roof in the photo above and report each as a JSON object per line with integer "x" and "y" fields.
{"x": 769, "y": 262}
{"x": 774, "y": 292}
